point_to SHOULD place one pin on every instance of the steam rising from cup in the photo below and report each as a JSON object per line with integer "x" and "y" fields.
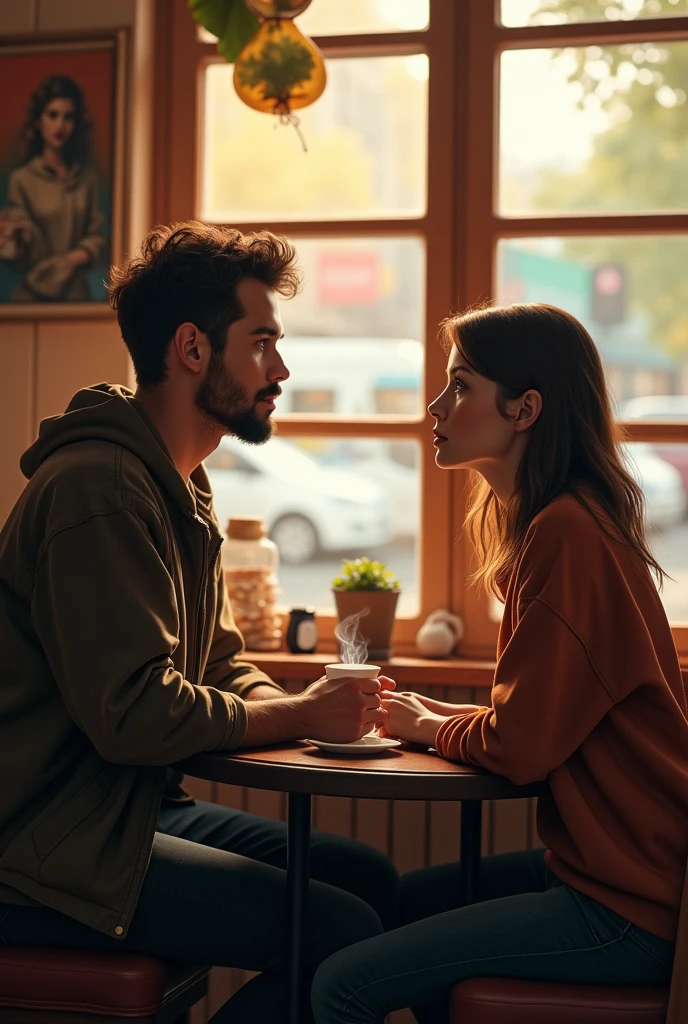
{"x": 353, "y": 646}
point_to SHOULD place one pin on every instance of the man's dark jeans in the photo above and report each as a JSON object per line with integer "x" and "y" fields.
{"x": 215, "y": 893}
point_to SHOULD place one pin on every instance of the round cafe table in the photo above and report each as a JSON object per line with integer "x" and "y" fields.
{"x": 302, "y": 771}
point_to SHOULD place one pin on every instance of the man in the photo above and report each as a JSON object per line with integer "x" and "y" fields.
{"x": 119, "y": 655}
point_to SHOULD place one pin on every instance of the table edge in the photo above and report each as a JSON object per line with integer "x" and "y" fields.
{"x": 358, "y": 783}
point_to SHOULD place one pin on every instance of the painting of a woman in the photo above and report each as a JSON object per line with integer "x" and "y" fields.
{"x": 52, "y": 228}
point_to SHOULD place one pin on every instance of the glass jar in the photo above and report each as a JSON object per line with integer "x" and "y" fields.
{"x": 250, "y": 562}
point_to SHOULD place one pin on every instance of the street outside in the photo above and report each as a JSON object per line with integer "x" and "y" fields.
{"x": 310, "y": 584}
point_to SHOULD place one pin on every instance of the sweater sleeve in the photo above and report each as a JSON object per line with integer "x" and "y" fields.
{"x": 104, "y": 610}
{"x": 547, "y": 698}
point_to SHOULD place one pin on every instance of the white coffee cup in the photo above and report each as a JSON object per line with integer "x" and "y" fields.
{"x": 341, "y": 669}
{"x": 355, "y": 671}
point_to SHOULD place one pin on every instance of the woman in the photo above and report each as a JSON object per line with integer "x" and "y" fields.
{"x": 53, "y": 216}
{"x": 587, "y": 694}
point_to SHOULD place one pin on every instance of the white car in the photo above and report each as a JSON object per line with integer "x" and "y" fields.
{"x": 665, "y": 498}
{"x": 307, "y": 508}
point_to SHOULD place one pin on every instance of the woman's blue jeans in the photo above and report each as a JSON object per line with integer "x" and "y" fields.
{"x": 528, "y": 925}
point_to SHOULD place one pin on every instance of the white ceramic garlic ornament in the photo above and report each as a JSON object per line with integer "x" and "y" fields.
{"x": 440, "y": 634}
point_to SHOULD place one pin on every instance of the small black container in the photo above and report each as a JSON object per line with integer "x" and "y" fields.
{"x": 302, "y": 632}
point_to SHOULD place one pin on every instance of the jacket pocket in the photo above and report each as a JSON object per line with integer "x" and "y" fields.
{"x": 69, "y": 815}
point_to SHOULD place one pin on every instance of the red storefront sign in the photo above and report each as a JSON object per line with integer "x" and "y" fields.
{"x": 348, "y": 278}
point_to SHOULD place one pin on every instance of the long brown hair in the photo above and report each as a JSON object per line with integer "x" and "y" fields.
{"x": 573, "y": 446}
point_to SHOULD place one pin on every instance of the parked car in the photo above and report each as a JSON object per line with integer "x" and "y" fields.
{"x": 665, "y": 497}
{"x": 307, "y": 508}
{"x": 662, "y": 407}
{"x": 393, "y": 465}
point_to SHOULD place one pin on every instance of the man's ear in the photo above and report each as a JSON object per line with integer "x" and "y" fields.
{"x": 189, "y": 346}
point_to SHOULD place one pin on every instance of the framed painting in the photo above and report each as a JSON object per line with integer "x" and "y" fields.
{"x": 62, "y": 160}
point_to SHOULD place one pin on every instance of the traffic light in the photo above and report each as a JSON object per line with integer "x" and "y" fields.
{"x": 609, "y": 293}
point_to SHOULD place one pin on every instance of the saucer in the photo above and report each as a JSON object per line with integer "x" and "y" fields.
{"x": 366, "y": 745}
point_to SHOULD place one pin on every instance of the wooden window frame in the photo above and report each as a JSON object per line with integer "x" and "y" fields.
{"x": 461, "y": 229}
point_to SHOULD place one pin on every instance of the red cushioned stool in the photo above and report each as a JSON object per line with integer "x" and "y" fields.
{"x": 74, "y": 986}
{"x": 505, "y": 1001}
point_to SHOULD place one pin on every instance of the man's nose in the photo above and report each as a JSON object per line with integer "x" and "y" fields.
{"x": 280, "y": 370}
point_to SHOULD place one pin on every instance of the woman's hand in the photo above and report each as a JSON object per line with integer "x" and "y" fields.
{"x": 439, "y": 707}
{"x": 405, "y": 718}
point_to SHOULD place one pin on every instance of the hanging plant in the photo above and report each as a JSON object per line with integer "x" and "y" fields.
{"x": 230, "y": 21}
{"x": 280, "y": 69}
{"x": 277, "y": 69}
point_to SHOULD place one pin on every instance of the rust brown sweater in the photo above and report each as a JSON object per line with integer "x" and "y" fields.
{"x": 588, "y": 694}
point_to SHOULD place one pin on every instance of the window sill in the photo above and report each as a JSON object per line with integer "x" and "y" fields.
{"x": 281, "y": 665}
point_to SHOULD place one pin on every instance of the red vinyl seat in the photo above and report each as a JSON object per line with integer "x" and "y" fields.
{"x": 74, "y": 985}
{"x": 506, "y": 1001}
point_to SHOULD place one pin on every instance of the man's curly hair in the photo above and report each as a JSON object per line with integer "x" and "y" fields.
{"x": 190, "y": 272}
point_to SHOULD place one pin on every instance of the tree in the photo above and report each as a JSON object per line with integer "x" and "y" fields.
{"x": 638, "y": 164}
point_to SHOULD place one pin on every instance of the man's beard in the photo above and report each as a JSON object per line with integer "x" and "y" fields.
{"x": 225, "y": 401}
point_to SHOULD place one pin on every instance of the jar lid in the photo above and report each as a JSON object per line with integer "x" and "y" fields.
{"x": 246, "y": 528}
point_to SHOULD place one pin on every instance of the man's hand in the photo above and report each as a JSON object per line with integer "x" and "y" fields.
{"x": 335, "y": 710}
{"x": 406, "y": 718}
{"x": 342, "y": 710}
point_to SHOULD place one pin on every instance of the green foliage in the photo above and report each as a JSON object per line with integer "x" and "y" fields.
{"x": 229, "y": 20}
{"x": 638, "y": 164}
{"x": 281, "y": 65}
{"x": 363, "y": 574}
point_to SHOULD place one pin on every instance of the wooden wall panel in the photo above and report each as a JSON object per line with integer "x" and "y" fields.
{"x": 409, "y": 834}
{"x": 231, "y": 796}
{"x": 62, "y": 15}
{"x": 373, "y": 822}
{"x": 201, "y": 789}
{"x": 17, "y": 358}
{"x": 74, "y": 355}
{"x": 334, "y": 814}
{"x": 17, "y": 17}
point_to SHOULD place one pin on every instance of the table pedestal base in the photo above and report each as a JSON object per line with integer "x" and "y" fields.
{"x": 298, "y": 868}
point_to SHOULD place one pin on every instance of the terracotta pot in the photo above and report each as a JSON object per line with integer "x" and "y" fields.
{"x": 376, "y": 627}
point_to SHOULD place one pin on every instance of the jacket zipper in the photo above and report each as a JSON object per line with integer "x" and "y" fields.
{"x": 201, "y": 623}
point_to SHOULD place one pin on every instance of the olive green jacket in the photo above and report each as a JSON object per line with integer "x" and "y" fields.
{"x": 118, "y": 656}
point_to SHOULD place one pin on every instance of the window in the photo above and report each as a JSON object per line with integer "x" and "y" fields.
{"x": 366, "y": 140}
{"x": 515, "y": 13}
{"x": 311, "y": 400}
{"x": 517, "y": 150}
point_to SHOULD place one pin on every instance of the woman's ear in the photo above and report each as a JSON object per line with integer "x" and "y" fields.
{"x": 525, "y": 410}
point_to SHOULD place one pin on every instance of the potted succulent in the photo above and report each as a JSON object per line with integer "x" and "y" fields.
{"x": 368, "y": 589}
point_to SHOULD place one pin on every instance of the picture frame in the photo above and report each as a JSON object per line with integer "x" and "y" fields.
{"x": 63, "y": 159}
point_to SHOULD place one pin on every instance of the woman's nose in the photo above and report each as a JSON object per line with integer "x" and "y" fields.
{"x": 435, "y": 409}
